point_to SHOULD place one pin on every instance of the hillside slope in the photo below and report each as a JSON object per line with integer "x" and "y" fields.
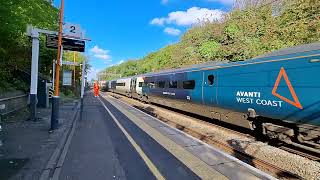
{"x": 249, "y": 30}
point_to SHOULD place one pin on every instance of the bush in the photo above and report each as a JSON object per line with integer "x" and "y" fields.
{"x": 251, "y": 29}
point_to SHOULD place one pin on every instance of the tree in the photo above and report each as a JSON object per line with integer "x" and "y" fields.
{"x": 252, "y": 28}
{"x": 15, "y": 45}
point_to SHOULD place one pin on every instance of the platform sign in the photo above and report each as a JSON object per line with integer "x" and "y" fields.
{"x": 67, "y": 78}
{"x": 72, "y": 30}
{"x": 67, "y": 43}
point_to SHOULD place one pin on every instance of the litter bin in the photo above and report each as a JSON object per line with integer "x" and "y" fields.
{"x": 1, "y": 135}
{"x": 43, "y": 97}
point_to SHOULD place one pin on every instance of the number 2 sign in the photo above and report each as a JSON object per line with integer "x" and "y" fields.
{"x": 72, "y": 30}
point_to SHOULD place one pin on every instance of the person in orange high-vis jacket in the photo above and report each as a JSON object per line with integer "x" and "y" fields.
{"x": 96, "y": 89}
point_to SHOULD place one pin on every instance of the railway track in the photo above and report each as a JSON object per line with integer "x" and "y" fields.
{"x": 226, "y": 147}
{"x": 258, "y": 163}
{"x": 290, "y": 148}
{"x": 300, "y": 152}
{"x": 287, "y": 147}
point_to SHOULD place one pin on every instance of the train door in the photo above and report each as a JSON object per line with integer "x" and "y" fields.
{"x": 209, "y": 87}
{"x": 173, "y": 85}
{"x": 133, "y": 85}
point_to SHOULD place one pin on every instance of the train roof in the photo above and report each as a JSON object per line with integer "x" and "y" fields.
{"x": 293, "y": 50}
{"x": 287, "y": 53}
{"x": 188, "y": 68}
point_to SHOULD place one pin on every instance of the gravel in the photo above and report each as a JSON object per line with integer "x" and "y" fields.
{"x": 293, "y": 163}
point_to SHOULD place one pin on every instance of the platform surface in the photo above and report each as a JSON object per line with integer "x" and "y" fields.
{"x": 113, "y": 140}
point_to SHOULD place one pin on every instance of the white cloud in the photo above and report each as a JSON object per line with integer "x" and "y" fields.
{"x": 93, "y": 73}
{"x": 158, "y": 21}
{"x": 164, "y": 1}
{"x": 102, "y": 56}
{"x": 98, "y": 50}
{"x": 122, "y": 61}
{"x": 100, "y": 53}
{"x": 226, "y": 2}
{"x": 172, "y": 31}
{"x": 192, "y": 16}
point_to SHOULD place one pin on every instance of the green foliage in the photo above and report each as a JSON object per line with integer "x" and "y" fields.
{"x": 232, "y": 30}
{"x": 73, "y": 56}
{"x": 209, "y": 50}
{"x": 15, "y": 45}
{"x": 252, "y": 28}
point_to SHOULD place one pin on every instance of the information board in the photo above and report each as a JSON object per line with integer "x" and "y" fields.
{"x": 67, "y": 78}
{"x": 68, "y": 44}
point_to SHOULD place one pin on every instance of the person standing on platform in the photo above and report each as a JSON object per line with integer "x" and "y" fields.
{"x": 96, "y": 89}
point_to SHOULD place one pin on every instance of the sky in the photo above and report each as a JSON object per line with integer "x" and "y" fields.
{"x": 122, "y": 29}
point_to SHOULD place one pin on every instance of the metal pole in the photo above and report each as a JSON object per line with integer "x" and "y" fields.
{"x": 34, "y": 74}
{"x": 55, "y": 98}
{"x": 82, "y": 78}
{"x": 82, "y": 82}
{"x": 0, "y": 135}
{"x": 74, "y": 72}
{"x": 53, "y": 72}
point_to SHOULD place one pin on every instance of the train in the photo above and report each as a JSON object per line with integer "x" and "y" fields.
{"x": 276, "y": 95}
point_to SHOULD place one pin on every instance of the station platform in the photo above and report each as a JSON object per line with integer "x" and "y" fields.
{"x": 113, "y": 140}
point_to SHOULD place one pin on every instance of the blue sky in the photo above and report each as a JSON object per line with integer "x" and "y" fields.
{"x": 120, "y": 30}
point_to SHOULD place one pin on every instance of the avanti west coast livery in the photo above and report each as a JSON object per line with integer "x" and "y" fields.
{"x": 277, "y": 94}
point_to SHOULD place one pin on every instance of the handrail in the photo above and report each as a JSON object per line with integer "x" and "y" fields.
{"x": 14, "y": 97}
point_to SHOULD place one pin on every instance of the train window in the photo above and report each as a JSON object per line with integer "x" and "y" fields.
{"x": 189, "y": 84}
{"x": 151, "y": 85}
{"x": 173, "y": 84}
{"x": 210, "y": 80}
{"x": 121, "y": 84}
{"x": 161, "y": 84}
{"x": 140, "y": 84}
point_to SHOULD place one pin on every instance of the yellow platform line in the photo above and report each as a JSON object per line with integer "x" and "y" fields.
{"x": 196, "y": 165}
{"x": 145, "y": 158}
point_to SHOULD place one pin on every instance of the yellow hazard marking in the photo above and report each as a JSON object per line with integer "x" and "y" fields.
{"x": 196, "y": 165}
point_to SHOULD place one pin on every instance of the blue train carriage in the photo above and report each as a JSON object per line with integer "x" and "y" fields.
{"x": 278, "y": 93}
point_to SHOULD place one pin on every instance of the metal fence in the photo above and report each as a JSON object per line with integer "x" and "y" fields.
{"x": 11, "y": 104}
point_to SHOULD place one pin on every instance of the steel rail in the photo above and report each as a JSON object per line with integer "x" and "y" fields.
{"x": 295, "y": 150}
{"x": 14, "y": 97}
